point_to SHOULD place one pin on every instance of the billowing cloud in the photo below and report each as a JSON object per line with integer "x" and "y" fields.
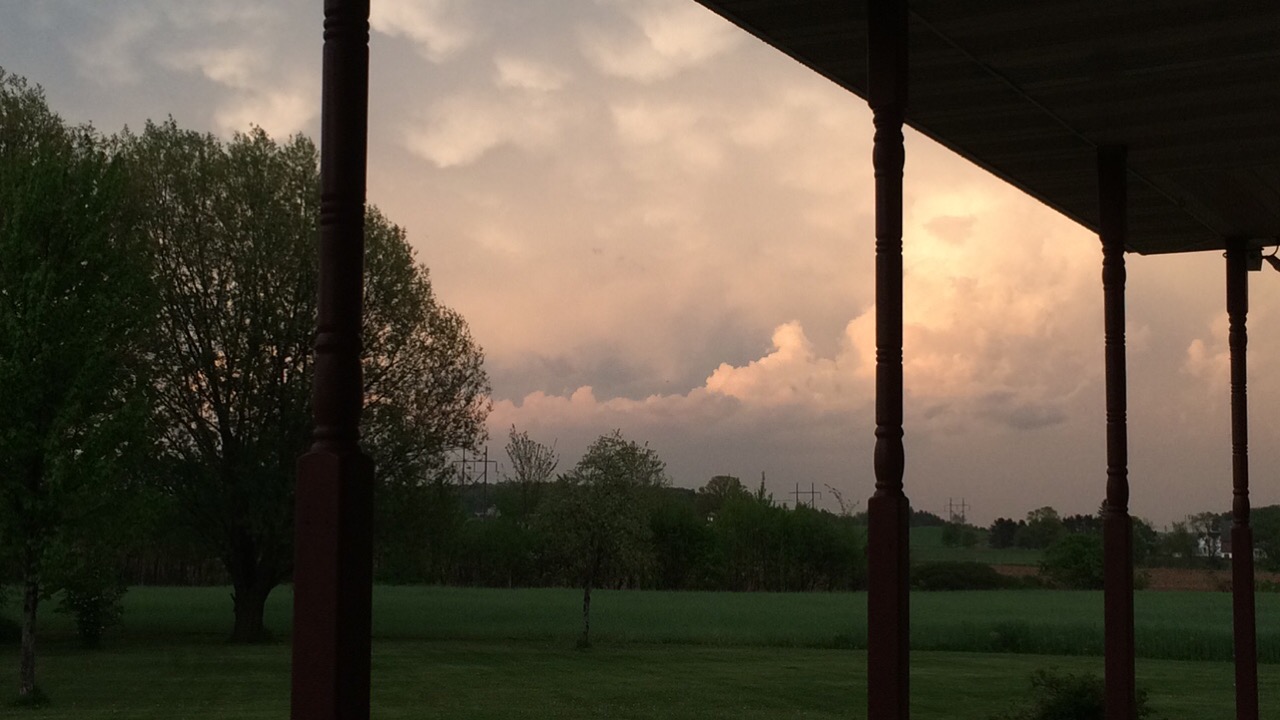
{"x": 789, "y": 374}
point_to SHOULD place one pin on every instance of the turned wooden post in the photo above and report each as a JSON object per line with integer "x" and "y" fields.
{"x": 333, "y": 575}
{"x": 1242, "y": 584}
{"x": 1117, "y": 526}
{"x": 888, "y": 666}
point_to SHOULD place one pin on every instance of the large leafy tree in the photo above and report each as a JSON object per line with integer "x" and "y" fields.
{"x": 74, "y": 297}
{"x": 596, "y": 519}
{"x": 233, "y": 226}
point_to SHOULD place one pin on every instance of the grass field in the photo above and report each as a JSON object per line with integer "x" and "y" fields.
{"x": 470, "y": 653}
{"x": 482, "y": 680}
{"x": 1170, "y": 625}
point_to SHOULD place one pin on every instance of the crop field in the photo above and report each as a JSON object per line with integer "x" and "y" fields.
{"x": 473, "y": 653}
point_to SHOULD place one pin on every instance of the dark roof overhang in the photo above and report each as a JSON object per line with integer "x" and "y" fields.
{"x": 1030, "y": 89}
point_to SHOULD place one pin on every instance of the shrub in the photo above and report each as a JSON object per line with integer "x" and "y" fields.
{"x": 1067, "y": 696}
{"x": 952, "y": 575}
{"x": 1074, "y": 562}
{"x": 93, "y": 597}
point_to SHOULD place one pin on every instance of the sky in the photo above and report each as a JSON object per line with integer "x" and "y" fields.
{"x": 653, "y": 222}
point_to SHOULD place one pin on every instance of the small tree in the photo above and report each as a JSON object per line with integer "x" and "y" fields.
{"x": 596, "y": 520}
{"x": 532, "y": 465}
{"x": 92, "y": 593}
{"x": 74, "y": 311}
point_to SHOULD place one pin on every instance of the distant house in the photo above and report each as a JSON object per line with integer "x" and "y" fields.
{"x": 1213, "y": 545}
{"x": 1218, "y": 545}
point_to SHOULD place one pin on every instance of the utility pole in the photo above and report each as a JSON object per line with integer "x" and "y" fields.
{"x": 956, "y": 511}
{"x": 467, "y": 470}
{"x": 811, "y": 492}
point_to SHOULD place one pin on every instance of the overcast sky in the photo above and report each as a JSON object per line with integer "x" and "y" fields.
{"x": 654, "y": 222}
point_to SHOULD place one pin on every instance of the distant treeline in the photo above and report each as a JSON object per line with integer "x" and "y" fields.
{"x": 485, "y": 535}
{"x": 719, "y": 538}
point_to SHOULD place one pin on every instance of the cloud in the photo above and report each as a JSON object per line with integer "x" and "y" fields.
{"x": 460, "y": 130}
{"x": 662, "y": 39}
{"x": 954, "y": 229}
{"x": 672, "y": 127}
{"x": 114, "y": 55}
{"x": 438, "y": 28}
{"x": 1006, "y": 408}
{"x": 280, "y": 113}
{"x": 255, "y": 93}
{"x": 234, "y": 67}
{"x": 218, "y": 65}
{"x": 528, "y": 74}
{"x": 789, "y": 374}
{"x": 1209, "y": 363}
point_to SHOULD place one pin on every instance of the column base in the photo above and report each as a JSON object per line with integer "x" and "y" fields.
{"x": 332, "y": 586}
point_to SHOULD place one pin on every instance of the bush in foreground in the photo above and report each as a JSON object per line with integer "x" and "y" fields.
{"x": 1068, "y": 696}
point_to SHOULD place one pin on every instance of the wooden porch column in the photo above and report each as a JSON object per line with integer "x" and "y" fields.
{"x": 1242, "y": 587}
{"x": 334, "y": 511}
{"x": 888, "y": 667}
{"x": 1117, "y": 526}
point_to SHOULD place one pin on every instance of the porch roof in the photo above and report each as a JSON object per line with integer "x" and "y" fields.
{"x": 1029, "y": 90}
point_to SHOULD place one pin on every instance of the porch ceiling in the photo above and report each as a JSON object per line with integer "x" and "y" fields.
{"x": 1029, "y": 90}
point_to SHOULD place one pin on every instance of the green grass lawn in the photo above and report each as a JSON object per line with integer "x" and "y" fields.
{"x": 503, "y": 679}
{"x": 475, "y": 653}
{"x": 1170, "y": 625}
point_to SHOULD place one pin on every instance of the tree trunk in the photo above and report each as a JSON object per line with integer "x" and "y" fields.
{"x": 30, "y": 603}
{"x": 250, "y": 601}
{"x": 585, "y": 640}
